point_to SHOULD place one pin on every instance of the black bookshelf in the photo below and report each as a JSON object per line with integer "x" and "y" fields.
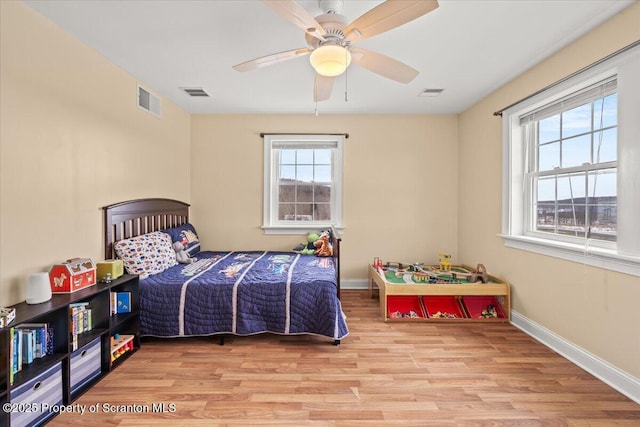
{"x": 56, "y": 314}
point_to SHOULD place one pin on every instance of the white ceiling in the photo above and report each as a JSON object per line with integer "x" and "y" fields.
{"x": 466, "y": 47}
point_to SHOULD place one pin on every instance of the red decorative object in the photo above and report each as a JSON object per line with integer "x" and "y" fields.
{"x": 72, "y": 275}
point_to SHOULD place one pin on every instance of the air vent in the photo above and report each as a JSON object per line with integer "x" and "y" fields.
{"x": 148, "y": 101}
{"x": 430, "y": 92}
{"x": 195, "y": 91}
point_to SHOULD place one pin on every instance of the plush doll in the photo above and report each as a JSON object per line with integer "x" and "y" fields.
{"x": 309, "y": 247}
{"x": 323, "y": 245}
{"x": 181, "y": 255}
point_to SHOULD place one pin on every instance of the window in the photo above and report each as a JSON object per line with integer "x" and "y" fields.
{"x": 302, "y": 182}
{"x": 571, "y": 146}
{"x": 571, "y": 175}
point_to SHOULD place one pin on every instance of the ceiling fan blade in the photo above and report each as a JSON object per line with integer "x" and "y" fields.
{"x": 271, "y": 59}
{"x": 322, "y": 88}
{"x": 383, "y": 65}
{"x": 296, "y": 14}
{"x": 386, "y": 16}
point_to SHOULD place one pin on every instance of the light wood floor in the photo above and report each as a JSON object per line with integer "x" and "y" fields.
{"x": 396, "y": 374}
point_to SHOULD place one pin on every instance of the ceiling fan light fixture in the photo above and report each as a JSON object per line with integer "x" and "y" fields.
{"x": 330, "y": 60}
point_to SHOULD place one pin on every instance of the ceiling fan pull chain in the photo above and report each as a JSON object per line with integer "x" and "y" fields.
{"x": 316, "y": 109}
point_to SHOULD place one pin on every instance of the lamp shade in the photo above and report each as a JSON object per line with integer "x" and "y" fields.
{"x": 38, "y": 288}
{"x": 330, "y": 60}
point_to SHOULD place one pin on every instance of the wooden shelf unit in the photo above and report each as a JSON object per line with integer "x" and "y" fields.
{"x": 496, "y": 287}
{"x": 55, "y": 312}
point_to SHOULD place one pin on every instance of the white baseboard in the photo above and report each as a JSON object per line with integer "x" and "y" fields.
{"x": 604, "y": 371}
{"x": 607, "y": 373}
{"x": 354, "y": 284}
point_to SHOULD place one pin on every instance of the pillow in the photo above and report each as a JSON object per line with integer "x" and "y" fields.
{"x": 185, "y": 234}
{"x": 148, "y": 254}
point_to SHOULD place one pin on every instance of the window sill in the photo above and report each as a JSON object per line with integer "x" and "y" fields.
{"x": 592, "y": 256}
{"x": 299, "y": 229}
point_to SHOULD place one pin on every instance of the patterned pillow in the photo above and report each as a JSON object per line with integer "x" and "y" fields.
{"x": 148, "y": 254}
{"x": 186, "y": 234}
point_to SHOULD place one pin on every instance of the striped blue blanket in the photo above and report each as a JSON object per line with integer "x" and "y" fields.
{"x": 243, "y": 293}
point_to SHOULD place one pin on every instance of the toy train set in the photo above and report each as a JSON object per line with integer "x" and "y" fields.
{"x": 442, "y": 292}
{"x": 441, "y": 273}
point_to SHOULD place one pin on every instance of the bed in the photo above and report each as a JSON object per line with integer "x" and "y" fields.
{"x": 222, "y": 292}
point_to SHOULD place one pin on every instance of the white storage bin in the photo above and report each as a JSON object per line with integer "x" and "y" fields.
{"x": 35, "y": 400}
{"x": 86, "y": 364}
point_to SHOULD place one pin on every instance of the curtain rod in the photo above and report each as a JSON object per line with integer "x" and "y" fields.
{"x": 263, "y": 134}
{"x": 598, "y": 62}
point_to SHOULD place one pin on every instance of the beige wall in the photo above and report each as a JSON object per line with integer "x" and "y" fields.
{"x": 400, "y": 179}
{"x": 71, "y": 141}
{"x": 590, "y": 307}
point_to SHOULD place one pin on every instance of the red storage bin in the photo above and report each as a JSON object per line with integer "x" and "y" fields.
{"x": 475, "y": 305}
{"x": 447, "y": 307}
{"x": 403, "y": 307}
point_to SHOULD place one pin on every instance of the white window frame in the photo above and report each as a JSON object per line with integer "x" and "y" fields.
{"x": 624, "y": 255}
{"x": 529, "y": 128}
{"x": 270, "y": 222}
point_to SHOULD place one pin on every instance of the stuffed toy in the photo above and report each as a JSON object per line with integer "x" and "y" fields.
{"x": 309, "y": 247}
{"x": 181, "y": 255}
{"x": 323, "y": 245}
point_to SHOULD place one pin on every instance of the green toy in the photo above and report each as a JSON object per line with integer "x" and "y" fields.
{"x": 307, "y": 248}
{"x": 311, "y": 238}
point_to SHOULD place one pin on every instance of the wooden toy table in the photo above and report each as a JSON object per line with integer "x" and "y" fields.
{"x": 467, "y": 295}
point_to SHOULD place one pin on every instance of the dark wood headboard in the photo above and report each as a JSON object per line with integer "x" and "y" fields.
{"x": 135, "y": 217}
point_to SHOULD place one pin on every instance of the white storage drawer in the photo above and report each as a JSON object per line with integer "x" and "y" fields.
{"x": 85, "y": 365}
{"x": 35, "y": 400}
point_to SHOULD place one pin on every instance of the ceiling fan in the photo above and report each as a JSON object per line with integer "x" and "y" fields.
{"x": 331, "y": 40}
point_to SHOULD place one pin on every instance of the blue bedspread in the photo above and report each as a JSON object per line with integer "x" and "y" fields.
{"x": 243, "y": 293}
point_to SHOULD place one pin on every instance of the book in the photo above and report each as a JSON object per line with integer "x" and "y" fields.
{"x": 120, "y": 302}
{"x": 17, "y": 351}
{"x": 50, "y": 346}
{"x": 79, "y": 322}
{"x": 123, "y": 302}
{"x": 28, "y": 345}
{"x": 88, "y": 320}
{"x": 41, "y": 337}
{"x": 11, "y": 356}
